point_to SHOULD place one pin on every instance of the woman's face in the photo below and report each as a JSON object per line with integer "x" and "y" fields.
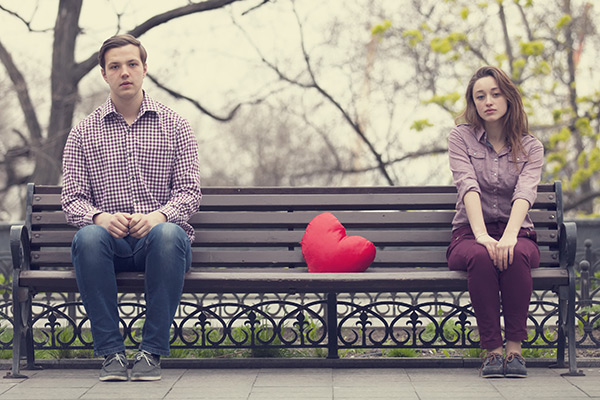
{"x": 490, "y": 101}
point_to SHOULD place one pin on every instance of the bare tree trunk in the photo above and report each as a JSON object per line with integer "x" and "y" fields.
{"x": 66, "y": 75}
{"x": 64, "y": 93}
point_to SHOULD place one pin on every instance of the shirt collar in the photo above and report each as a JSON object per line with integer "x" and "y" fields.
{"x": 148, "y": 105}
{"x": 481, "y": 136}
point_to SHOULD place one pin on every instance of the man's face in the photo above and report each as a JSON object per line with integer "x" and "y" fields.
{"x": 124, "y": 72}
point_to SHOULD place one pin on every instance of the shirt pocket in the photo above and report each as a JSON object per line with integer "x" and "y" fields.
{"x": 515, "y": 166}
{"x": 477, "y": 157}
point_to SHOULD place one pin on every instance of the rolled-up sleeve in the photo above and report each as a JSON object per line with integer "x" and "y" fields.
{"x": 530, "y": 175}
{"x": 463, "y": 172}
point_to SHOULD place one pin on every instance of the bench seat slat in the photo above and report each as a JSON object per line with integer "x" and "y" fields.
{"x": 290, "y": 281}
{"x": 542, "y": 188}
{"x": 258, "y": 238}
{"x": 299, "y": 220}
{"x": 317, "y": 201}
{"x": 266, "y": 258}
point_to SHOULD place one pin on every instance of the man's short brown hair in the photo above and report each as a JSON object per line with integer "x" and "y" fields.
{"x": 120, "y": 41}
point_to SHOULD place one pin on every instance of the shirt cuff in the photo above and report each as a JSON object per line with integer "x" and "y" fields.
{"x": 88, "y": 218}
{"x": 529, "y": 197}
{"x": 466, "y": 188}
{"x": 170, "y": 212}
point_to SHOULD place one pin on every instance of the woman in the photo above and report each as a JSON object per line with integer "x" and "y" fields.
{"x": 496, "y": 166}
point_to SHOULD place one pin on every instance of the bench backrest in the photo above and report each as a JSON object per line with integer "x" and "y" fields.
{"x": 263, "y": 227}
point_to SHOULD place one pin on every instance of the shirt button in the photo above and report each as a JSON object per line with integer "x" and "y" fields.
{"x": 494, "y": 206}
{"x": 495, "y": 159}
{"x": 494, "y": 174}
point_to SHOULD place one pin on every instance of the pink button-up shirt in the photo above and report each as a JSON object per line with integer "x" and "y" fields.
{"x": 109, "y": 166}
{"x": 497, "y": 177}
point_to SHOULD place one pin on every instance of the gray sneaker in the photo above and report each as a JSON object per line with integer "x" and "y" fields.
{"x": 514, "y": 366}
{"x": 493, "y": 366}
{"x": 146, "y": 367}
{"x": 114, "y": 368}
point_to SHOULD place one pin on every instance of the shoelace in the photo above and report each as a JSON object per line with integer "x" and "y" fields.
{"x": 118, "y": 356}
{"x": 493, "y": 358}
{"x": 512, "y": 356}
{"x": 146, "y": 356}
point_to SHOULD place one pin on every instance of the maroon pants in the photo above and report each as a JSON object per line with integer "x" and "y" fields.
{"x": 489, "y": 288}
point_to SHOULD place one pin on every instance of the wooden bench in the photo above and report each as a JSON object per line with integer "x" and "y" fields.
{"x": 248, "y": 241}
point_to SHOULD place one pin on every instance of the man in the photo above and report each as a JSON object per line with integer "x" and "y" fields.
{"x": 130, "y": 182}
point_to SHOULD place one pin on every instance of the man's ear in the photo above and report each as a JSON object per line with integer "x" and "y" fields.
{"x": 103, "y": 74}
{"x": 145, "y": 69}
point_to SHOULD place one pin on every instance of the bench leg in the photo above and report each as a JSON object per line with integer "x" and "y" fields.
{"x": 562, "y": 293}
{"x": 332, "y": 323}
{"x": 21, "y": 302}
{"x": 570, "y": 327}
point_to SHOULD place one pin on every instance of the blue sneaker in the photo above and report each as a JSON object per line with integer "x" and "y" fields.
{"x": 114, "y": 368}
{"x": 146, "y": 367}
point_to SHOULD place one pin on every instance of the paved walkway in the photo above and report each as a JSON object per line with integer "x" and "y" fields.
{"x": 312, "y": 384}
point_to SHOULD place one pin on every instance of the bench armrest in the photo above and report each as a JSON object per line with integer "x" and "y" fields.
{"x": 19, "y": 247}
{"x": 567, "y": 244}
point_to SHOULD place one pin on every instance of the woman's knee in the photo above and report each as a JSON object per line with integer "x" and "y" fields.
{"x": 526, "y": 253}
{"x": 466, "y": 255}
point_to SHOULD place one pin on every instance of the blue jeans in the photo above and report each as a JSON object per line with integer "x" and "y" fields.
{"x": 164, "y": 255}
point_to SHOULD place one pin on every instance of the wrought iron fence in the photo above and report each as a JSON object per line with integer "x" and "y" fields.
{"x": 211, "y": 324}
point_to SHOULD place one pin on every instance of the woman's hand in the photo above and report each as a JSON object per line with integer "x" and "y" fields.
{"x": 505, "y": 251}
{"x": 490, "y": 244}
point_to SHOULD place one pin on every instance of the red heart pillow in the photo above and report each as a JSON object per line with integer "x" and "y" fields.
{"x": 326, "y": 248}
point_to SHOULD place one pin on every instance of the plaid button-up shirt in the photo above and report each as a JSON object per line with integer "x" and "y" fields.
{"x": 499, "y": 178}
{"x": 109, "y": 166}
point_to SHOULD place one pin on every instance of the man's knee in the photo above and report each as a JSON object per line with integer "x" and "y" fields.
{"x": 90, "y": 236}
{"x": 167, "y": 232}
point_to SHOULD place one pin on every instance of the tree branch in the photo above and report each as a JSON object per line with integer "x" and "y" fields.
{"x": 354, "y": 124}
{"x": 582, "y": 200}
{"x": 20, "y": 86}
{"x": 255, "y": 7}
{"x": 507, "y": 44}
{"x": 413, "y": 155}
{"x": 196, "y": 104}
{"x": 525, "y": 21}
{"x": 23, "y": 20}
{"x": 86, "y": 66}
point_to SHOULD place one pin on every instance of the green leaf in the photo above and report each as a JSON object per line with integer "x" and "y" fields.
{"x": 445, "y": 101}
{"x": 563, "y": 21}
{"x": 414, "y": 37}
{"x": 420, "y": 125}
{"x": 562, "y": 136}
{"x": 534, "y": 48}
{"x": 380, "y": 29}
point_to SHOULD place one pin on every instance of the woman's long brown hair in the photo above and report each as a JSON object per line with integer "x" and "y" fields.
{"x": 515, "y": 119}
